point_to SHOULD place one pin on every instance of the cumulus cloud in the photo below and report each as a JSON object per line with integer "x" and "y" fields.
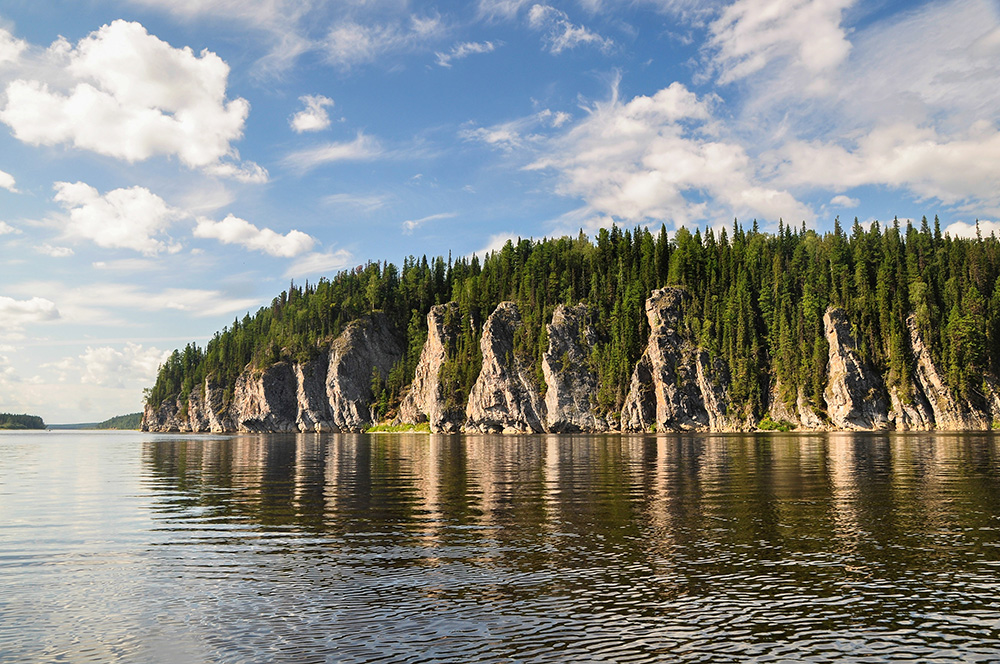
{"x": 233, "y": 230}
{"x": 656, "y": 159}
{"x": 464, "y": 50}
{"x": 314, "y": 116}
{"x": 750, "y": 34}
{"x": 133, "y": 364}
{"x": 133, "y": 218}
{"x": 950, "y": 169}
{"x": 320, "y": 263}
{"x": 350, "y": 43}
{"x": 844, "y": 201}
{"x": 962, "y": 229}
{"x": 362, "y": 148}
{"x": 131, "y": 96}
{"x": 15, "y": 314}
{"x": 10, "y": 48}
{"x": 54, "y": 252}
{"x": 560, "y": 33}
{"x": 7, "y": 182}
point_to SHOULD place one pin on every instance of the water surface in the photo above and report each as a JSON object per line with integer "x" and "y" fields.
{"x": 362, "y": 548}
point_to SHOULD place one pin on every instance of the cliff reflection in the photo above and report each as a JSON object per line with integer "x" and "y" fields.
{"x": 667, "y": 508}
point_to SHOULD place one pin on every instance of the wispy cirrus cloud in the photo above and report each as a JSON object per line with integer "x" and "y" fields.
{"x": 362, "y": 148}
{"x": 464, "y": 50}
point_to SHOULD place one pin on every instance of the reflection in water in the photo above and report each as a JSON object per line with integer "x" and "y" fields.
{"x": 356, "y": 548}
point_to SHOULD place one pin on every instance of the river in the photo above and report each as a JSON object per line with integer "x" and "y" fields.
{"x": 130, "y": 547}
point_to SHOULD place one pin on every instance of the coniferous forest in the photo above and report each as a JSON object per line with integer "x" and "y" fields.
{"x": 757, "y": 301}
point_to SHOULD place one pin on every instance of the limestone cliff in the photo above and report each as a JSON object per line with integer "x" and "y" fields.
{"x": 571, "y": 385}
{"x": 265, "y": 401}
{"x": 504, "y": 399}
{"x": 675, "y": 386}
{"x": 312, "y": 407}
{"x": 202, "y": 412}
{"x": 368, "y": 344}
{"x": 855, "y": 395}
{"x": 425, "y": 400}
{"x": 949, "y": 412}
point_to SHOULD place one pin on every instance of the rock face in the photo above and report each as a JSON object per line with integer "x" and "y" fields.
{"x": 571, "y": 387}
{"x": 312, "y": 408}
{"x": 855, "y": 395}
{"x": 674, "y": 386}
{"x": 368, "y": 344}
{"x": 949, "y": 413}
{"x": 425, "y": 401}
{"x": 503, "y": 399}
{"x": 265, "y": 401}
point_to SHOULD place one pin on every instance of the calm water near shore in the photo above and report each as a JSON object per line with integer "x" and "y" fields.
{"x": 134, "y": 547}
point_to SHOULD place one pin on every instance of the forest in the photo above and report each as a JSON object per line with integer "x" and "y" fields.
{"x": 11, "y": 421}
{"x": 757, "y": 301}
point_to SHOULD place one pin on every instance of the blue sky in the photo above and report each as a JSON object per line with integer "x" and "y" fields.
{"x": 169, "y": 165}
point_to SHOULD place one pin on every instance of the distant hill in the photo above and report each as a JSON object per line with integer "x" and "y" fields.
{"x": 130, "y": 421}
{"x": 10, "y": 421}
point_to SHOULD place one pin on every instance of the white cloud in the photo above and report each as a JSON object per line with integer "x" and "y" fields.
{"x": 278, "y": 20}
{"x": 314, "y": 116}
{"x": 494, "y": 244}
{"x": 464, "y": 50}
{"x": 561, "y": 33}
{"x": 350, "y": 43}
{"x": 55, "y": 252}
{"x": 367, "y": 203}
{"x": 15, "y": 314}
{"x": 132, "y": 218}
{"x": 750, "y": 34}
{"x": 119, "y": 368}
{"x": 505, "y": 9}
{"x": 10, "y": 48}
{"x": 131, "y": 96}
{"x": 655, "y": 159}
{"x": 411, "y": 225}
{"x": 516, "y": 134}
{"x": 233, "y": 230}
{"x": 962, "y": 229}
{"x": 844, "y": 201}
{"x": 7, "y": 182}
{"x": 320, "y": 263}
{"x": 7, "y": 229}
{"x": 950, "y": 169}
{"x": 362, "y": 148}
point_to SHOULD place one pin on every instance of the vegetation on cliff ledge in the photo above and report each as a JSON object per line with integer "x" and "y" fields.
{"x": 757, "y": 302}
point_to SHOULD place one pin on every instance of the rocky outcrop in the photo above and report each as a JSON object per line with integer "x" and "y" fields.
{"x": 675, "y": 386}
{"x": 800, "y": 413}
{"x": 266, "y": 401}
{"x": 950, "y": 413}
{"x": 504, "y": 398}
{"x": 425, "y": 401}
{"x": 367, "y": 345}
{"x": 312, "y": 408}
{"x": 203, "y": 411}
{"x": 855, "y": 395}
{"x": 571, "y": 386}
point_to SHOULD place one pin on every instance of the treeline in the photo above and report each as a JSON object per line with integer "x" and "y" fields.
{"x": 131, "y": 421}
{"x": 11, "y": 421}
{"x": 757, "y": 301}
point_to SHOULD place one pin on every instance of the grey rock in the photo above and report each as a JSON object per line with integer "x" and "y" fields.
{"x": 950, "y": 413}
{"x": 503, "y": 399}
{"x": 425, "y": 401}
{"x": 855, "y": 395}
{"x": 571, "y": 387}
{"x": 367, "y": 344}
{"x": 265, "y": 401}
